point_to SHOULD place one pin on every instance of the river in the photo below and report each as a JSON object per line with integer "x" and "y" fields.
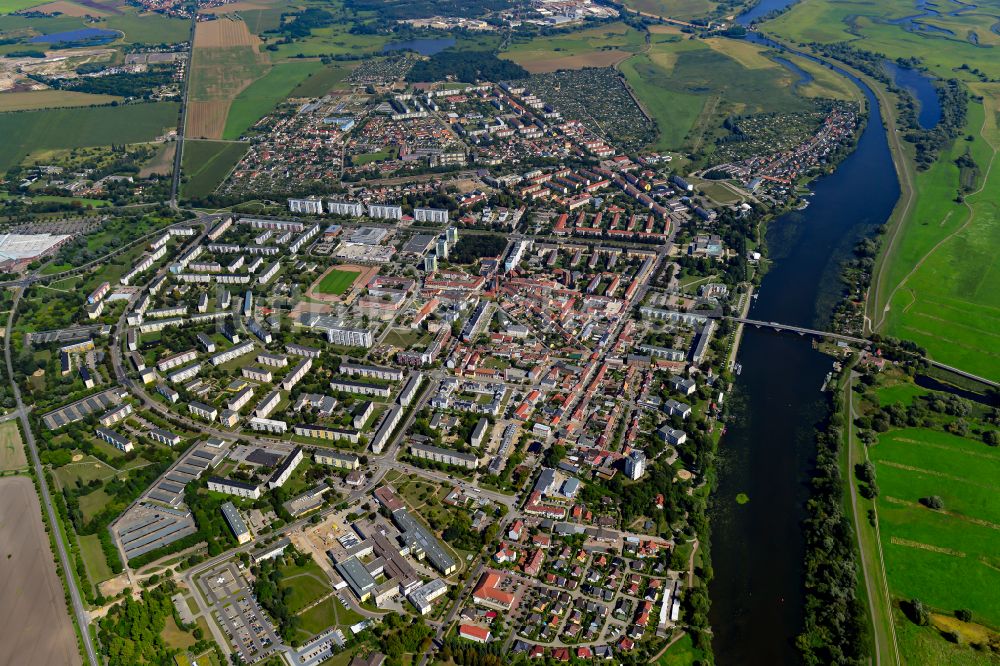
{"x": 767, "y": 453}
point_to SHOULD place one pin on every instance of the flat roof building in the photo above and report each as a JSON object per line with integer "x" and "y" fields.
{"x": 236, "y": 523}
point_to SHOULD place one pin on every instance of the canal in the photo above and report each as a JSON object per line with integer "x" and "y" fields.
{"x": 767, "y": 452}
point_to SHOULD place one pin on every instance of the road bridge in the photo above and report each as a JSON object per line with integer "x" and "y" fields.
{"x": 802, "y": 330}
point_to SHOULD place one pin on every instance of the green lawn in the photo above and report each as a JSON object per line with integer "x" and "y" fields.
{"x": 337, "y": 282}
{"x": 903, "y": 393}
{"x": 93, "y": 558}
{"x": 681, "y": 653}
{"x": 307, "y": 584}
{"x": 206, "y": 164}
{"x": 28, "y": 131}
{"x": 263, "y": 95}
{"x": 949, "y": 558}
{"x": 361, "y": 159}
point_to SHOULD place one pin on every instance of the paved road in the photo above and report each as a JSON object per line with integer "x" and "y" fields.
{"x": 175, "y": 181}
{"x": 82, "y": 620}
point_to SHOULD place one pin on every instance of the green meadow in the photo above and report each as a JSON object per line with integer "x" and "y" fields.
{"x": 205, "y": 164}
{"x": 948, "y": 558}
{"x": 690, "y": 86}
{"x": 263, "y": 95}
{"x": 25, "y": 132}
{"x": 868, "y": 25}
{"x": 678, "y": 9}
{"x": 942, "y": 280}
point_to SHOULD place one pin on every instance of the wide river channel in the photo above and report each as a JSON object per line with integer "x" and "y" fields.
{"x": 768, "y": 449}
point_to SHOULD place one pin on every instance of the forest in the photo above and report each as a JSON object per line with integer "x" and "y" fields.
{"x": 467, "y": 66}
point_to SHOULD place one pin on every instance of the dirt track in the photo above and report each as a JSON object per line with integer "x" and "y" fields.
{"x": 34, "y": 623}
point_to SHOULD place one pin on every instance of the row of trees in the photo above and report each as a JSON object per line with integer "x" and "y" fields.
{"x": 835, "y": 631}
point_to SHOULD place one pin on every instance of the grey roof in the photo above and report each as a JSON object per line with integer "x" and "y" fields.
{"x": 356, "y": 576}
{"x": 234, "y": 519}
{"x": 414, "y": 533}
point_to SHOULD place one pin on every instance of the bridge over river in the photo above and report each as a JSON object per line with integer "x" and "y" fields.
{"x": 801, "y": 330}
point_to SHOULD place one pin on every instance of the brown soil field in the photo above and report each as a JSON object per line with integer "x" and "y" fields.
{"x": 34, "y": 622}
{"x": 206, "y": 120}
{"x": 222, "y": 33}
{"x": 595, "y": 59}
{"x": 69, "y": 9}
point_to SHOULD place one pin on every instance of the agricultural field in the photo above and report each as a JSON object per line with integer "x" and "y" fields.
{"x": 10, "y": 6}
{"x": 12, "y": 455}
{"x": 676, "y": 9}
{"x": 226, "y": 60}
{"x": 205, "y": 164}
{"x": 337, "y": 282}
{"x": 146, "y": 28}
{"x": 932, "y": 528}
{"x": 947, "y": 558}
{"x": 332, "y": 40}
{"x": 37, "y": 628}
{"x": 25, "y": 132}
{"x": 263, "y": 95}
{"x": 601, "y": 46}
{"x": 50, "y": 99}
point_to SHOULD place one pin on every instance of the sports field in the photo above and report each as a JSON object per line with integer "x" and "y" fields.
{"x": 205, "y": 164}
{"x": 12, "y": 454}
{"x": 948, "y": 558}
{"x": 337, "y": 282}
{"x": 25, "y": 132}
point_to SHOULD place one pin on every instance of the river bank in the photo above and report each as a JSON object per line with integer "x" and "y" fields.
{"x": 758, "y": 600}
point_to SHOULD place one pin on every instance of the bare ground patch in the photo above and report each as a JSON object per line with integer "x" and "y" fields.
{"x": 36, "y": 628}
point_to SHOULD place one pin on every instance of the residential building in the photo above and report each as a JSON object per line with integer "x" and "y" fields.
{"x": 116, "y": 440}
{"x": 236, "y": 523}
{"x": 234, "y": 487}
